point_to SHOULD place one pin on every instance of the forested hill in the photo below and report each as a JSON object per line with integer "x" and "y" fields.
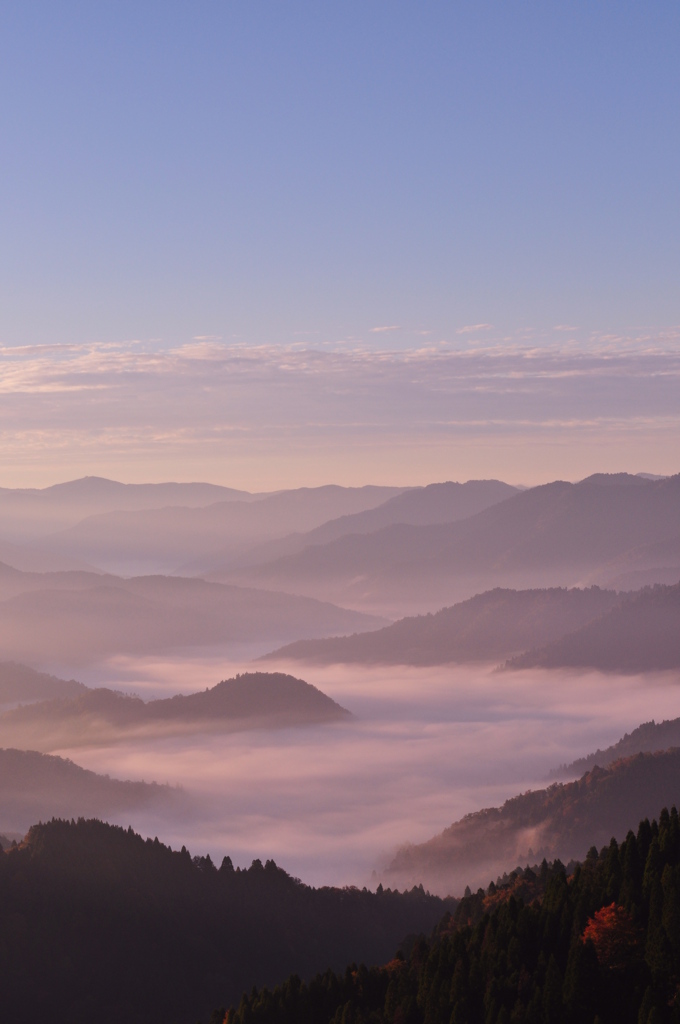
{"x": 252, "y": 699}
{"x": 600, "y": 947}
{"x": 35, "y": 786}
{"x": 21, "y": 683}
{"x": 558, "y": 821}
{"x": 640, "y": 634}
{"x": 99, "y": 925}
{"x": 489, "y": 626}
{"x": 648, "y": 738}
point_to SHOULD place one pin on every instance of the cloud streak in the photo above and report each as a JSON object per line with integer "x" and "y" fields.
{"x": 108, "y": 406}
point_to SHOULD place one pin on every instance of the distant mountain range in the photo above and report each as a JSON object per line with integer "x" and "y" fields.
{"x": 556, "y": 822}
{"x": 26, "y": 513}
{"x": 420, "y": 506}
{"x": 73, "y": 618}
{"x": 554, "y": 535}
{"x": 165, "y": 539}
{"x": 35, "y": 786}
{"x": 487, "y": 627}
{"x": 95, "y": 716}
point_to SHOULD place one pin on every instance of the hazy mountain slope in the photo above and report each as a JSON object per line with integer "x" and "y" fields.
{"x": 642, "y": 633}
{"x": 484, "y": 628}
{"x": 556, "y": 822}
{"x": 37, "y": 786}
{"x": 437, "y": 503}
{"x": 107, "y": 927}
{"x": 642, "y": 566}
{"x": 546, "y": 536}
{"x": 647, "y": 738}
{"x": 74, "y": 618}
{"x": 251, "y": 700}
{"x": 164, "y": 539}
{"x": 21, "y": 683}
{"x": 29, "y": 512}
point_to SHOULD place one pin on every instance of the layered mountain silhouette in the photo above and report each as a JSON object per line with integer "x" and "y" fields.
{"x": 26, "y": 513}
{"x": 250, "y": 700}
{"x": 421, "y": 506}
{"x": 163, "y": 539}
{"x": 36, "y": 786}
{"x": 75, "y": 618}
{"x": 554, "y": 535}
{"x": 487, "y": 627}
{"x": 558, "y": 821}
{"x": 641, "y": 633}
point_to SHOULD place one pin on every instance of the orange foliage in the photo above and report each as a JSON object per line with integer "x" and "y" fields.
{"x": 612, "y": 932}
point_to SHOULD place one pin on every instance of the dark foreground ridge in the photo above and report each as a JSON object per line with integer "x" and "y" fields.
{"x": 600, "y": 947}
{"x": 99, "y": 925}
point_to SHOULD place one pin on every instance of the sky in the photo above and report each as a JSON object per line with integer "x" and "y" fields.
{"x": 273, "y": 244}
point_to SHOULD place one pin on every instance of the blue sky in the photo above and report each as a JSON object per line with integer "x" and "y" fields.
{"x": 277, "y": 174}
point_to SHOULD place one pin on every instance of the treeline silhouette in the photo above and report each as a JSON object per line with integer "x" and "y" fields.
{"x": 601, "y": 946}
{"x": 100, "y": 925}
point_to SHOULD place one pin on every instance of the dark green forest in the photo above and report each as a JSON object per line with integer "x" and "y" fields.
{"x": 99, "y": 926}
{"x": 600, "y": 946}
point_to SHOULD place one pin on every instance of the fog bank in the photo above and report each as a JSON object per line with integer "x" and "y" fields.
{"x": 331, "y": 803}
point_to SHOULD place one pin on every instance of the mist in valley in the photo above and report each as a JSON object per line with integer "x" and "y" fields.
{"x": 332, "y": 803}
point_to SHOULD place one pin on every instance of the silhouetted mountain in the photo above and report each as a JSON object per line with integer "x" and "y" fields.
{"x": 554, "y": 822}
{"x": 19, "y": 683}
{"x": 107, "y": 927}
{"x": 73, "y": 618}
{"x": 36, "y": 786}
{"x": 31, "y": 512}
{"x": 437, "y": 503}
{"x": 252, "y": 700}
{"x": 485, "y": 628}
{"x": 640, "y": 634}
{"x": 647, "y": 738}
{"x": 546, "y": 536}
{"x": 163, "y": 539}
{"x": 598, "y": 943}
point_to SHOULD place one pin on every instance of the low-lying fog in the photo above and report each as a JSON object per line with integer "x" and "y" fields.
{"x": 427, "y": 746}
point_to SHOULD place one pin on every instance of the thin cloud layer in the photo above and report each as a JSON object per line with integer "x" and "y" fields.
{"x": 221, "y": 407}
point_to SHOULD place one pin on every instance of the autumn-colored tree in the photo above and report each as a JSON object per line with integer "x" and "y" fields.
{"x": 614, "y": 936}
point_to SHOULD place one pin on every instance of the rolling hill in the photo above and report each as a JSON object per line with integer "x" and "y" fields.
{"x": 251, "y": 700}
{"x": 35, "y": 786}
{"x": 484, "y": 628}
